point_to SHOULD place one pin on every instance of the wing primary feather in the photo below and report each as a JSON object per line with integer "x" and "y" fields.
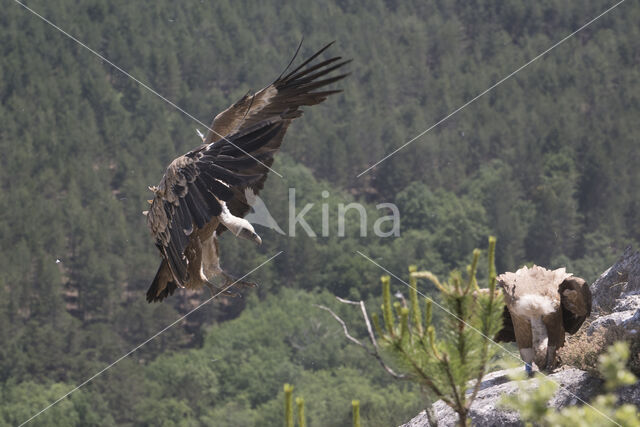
{"x": 306, "y": 88}
{"x": 314, "y": 56}
{"x": 314, "y": 76}
{"x": 302, "y": 73}
{"x": 295, "y": 55}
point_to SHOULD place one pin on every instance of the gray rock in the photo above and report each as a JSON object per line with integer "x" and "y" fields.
{"x": 628, "y": 302}
{"x": 617, "y": 284}
{"x": 614, "y": 319}
{"x": 616, "y": 295}
{"x": 486, "y": 411}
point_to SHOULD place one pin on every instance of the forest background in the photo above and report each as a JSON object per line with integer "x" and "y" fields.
{"x": 547, "y": 162}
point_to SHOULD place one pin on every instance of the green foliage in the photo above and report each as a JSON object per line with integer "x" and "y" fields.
{"x": 613, "y": 369}
{"x": 546, "y": 162}
{"x": 236, "y": 376}
{"x": 458, "y": 224}
{"x": 18, "y": 402}
{"x": 604, "y": 410}
{"x": 444, "y": 363}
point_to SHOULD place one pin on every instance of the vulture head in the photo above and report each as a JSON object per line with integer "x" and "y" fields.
{"x": 540, "y": 307}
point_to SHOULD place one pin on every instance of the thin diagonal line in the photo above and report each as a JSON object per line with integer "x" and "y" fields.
{"x": 490, "y": 88}
{"x": 476, "y": 330}
{"x": 143, "y": 343}
{"x": 141, "y": 84}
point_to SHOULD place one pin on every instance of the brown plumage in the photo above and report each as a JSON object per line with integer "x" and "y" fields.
{"x": 541, "y": 306}
{"x": 202, "y": 193}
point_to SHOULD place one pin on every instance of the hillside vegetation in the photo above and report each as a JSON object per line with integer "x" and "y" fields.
{"x": 547, "y": 162}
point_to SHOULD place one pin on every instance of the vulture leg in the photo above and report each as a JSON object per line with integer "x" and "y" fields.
{"x": 210, "y": 257}
{"x": 211, "y": 266}
{"x": 199, "y": 254}
{"x": 555, "y": 332}
{"x": 524, "y": 340}
{"x": 193, "y": 253}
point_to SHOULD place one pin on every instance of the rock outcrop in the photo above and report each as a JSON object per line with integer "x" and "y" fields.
{"x": 616, "y": 295}
{"x": 485, "y": 410}
{"x": 616, "y": 301}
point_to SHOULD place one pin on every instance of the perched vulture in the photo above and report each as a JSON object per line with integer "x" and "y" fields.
{"x": 541, "y": 305}
{"x": 204, "y": 192}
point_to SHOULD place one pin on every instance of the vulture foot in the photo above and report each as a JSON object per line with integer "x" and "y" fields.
{"x": 229, "y": 279}
{"x": 215, "y": 290}
{"x": 528, "y": 369}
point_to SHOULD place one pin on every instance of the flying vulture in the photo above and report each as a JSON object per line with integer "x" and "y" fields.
{"x": 541, "y": 305}
{"x": 205, "y": 192}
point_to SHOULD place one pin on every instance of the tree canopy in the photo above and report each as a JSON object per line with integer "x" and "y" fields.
{"x": 546, "y": 161}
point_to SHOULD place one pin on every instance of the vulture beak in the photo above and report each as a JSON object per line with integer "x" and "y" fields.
{"x": 245, "y": 233}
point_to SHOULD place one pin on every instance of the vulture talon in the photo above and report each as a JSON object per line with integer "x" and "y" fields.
{"x": 528, "y": 369}
{"x": 247, "y": 284}
{"x": 231, "y": 280}
{"x": 226, "y": 291}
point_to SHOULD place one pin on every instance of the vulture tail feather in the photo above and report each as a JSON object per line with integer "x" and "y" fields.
{"x": 162, "y": 286}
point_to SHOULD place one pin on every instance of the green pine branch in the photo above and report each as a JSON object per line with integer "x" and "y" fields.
{"x": 446, "y": 358}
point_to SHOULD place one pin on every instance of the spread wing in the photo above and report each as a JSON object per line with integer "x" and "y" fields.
{"x": 287, "y": 93}
{"x": 508, "y": 332}
{"x": 193, "y": 185}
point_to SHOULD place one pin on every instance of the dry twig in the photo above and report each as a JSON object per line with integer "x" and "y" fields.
{"x": 376, "y": 350}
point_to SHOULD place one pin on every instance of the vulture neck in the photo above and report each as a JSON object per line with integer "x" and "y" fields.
{"x": 238, "y": 226}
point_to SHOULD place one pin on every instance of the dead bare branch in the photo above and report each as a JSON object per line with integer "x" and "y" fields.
{"x": 346, "y": 301}
{"x": 344, "y": 325}
{"x": 372, "y": 336}
{"x": 375, "y": 353}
